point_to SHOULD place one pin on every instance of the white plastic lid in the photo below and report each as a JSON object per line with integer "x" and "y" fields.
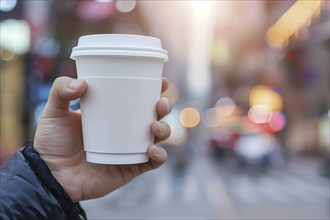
{"x": 119, "y": 45}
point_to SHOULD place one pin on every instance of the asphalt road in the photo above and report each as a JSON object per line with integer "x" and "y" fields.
{"x": 210, "y": 190}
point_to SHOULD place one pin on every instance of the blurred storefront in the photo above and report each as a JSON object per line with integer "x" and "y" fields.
{"x": 277, "y": 74}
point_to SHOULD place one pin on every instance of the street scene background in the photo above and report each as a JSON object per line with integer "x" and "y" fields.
{"x": 249, "y": 86}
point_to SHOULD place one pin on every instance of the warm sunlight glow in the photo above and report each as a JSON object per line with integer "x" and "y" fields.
{"x": 297, "y": 16}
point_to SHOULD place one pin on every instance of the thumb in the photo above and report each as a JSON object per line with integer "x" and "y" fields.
{"x": 62, "y": 92}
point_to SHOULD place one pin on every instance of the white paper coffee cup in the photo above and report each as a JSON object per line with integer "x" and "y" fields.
{"x": 123, "y": 73}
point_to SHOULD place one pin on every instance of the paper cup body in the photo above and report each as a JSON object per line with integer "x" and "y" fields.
{"x": 123, "y": 73}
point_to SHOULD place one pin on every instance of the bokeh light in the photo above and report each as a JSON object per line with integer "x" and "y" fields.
{"x": 94, "y": 10}
{"x": 211, "y": 118}
{"x": 15, "y": 36}
{"x": 179, "y": 134}
{"x": 249, "y": 126}
{"x": 103, "y": 1}
{"x": 125, "y": 6}
{"x": 225, "y": 106}
{"x": 260, "y": 114}
{"x": 7, "y": 5}
{"x": 178, "y": 137}
{"x": 225, "y": 113}
{"x": 214, "y": 118}
{"x": 189, "y": 117}
{"x": 266, "y": 95}
{"x": 277, "y": 122}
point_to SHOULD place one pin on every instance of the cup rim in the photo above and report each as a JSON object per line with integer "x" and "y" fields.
{"x": 153, "y": 47}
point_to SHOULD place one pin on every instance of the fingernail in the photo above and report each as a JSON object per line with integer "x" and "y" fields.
{"x": 162, "y": 129}
{"x": 75, "y": 83}
{"x": 158, "y": 151}
{"x": 168, "y": 105}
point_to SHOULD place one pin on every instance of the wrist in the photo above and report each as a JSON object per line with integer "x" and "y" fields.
{"x": 69, "y": 188}
{"x": 48, "y": 180}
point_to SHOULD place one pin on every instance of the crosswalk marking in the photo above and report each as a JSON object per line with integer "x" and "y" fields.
{"x": 162, "y": 189}
{"x": 167, "y": 189}
{"x": 283, "y": 190}
{"x": 190, "y": 190}
{"x": 307, "y": 186}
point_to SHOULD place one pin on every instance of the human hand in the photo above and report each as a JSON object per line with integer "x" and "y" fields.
{"x": 59, "y": 142}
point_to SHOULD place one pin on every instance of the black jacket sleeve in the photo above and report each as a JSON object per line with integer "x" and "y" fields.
{"x": 28, "y": 190}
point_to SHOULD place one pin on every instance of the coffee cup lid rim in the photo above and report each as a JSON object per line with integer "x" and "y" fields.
{"x": 119, "y": 44}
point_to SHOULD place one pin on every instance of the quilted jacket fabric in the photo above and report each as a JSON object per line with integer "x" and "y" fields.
{"x": 28, "y": 190}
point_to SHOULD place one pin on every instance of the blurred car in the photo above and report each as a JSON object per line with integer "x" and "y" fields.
{"x": 256, "y": 149}
{"x": 222, "y": 143}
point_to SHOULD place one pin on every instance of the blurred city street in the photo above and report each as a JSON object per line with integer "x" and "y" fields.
{"x": 248, "y": 82}
{"x": 212, "y": 190}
